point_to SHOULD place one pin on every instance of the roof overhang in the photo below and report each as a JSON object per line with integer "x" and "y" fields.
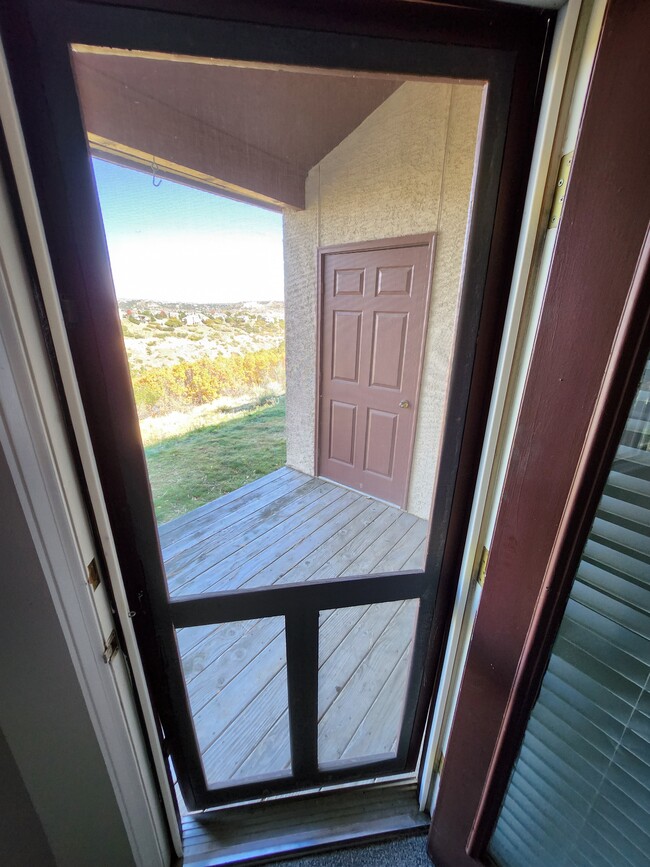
{"x": 241, "y": 130}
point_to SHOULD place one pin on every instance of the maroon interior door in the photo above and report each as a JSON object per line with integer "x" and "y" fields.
{"x": 374, "y": 305}
{"x": 590, "y": 348}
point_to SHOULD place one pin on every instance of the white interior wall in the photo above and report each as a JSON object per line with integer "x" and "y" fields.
{"x": 407, "y": 169}
{"x": 43, "y": 713}
{"x": 22, "y": 840}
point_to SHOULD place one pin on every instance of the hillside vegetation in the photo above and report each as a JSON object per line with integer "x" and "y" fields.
{"x": 161, "y": 390}
{"x": 158, "y": 334}
{"x": 187, "y": 355}
{"x": 192, "y": 469}
{"x": 209, "y": 385}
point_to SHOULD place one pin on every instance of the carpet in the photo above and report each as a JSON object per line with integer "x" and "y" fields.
{"x": 406, "y": 851}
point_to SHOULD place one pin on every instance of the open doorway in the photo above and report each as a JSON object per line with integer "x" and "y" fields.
{"x": 413, "y": 53}
{"x": 235, "y": 198}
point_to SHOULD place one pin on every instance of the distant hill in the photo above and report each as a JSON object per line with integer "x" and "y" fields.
{"x": 158, "y": 334}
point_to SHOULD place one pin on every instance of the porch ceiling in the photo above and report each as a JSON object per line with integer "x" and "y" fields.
{"x": 252, "y": 133}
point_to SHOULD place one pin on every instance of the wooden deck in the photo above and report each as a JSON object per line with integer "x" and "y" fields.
{"x": 289, "y": 527}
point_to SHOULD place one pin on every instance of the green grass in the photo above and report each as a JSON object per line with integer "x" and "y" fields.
{"x": 192, "y": 469}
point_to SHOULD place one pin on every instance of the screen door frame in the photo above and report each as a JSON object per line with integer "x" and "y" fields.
{"x": 504, "y": 47}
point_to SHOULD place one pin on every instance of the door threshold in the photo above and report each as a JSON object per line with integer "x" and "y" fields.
{"x": 259, "y": 833}
{"x": 363, "y": 493}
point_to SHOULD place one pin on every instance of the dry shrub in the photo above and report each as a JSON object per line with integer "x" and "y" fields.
{"x": 159, "y": 390}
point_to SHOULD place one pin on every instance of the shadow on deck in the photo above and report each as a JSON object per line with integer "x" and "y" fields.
{"x": 288, "y": 527}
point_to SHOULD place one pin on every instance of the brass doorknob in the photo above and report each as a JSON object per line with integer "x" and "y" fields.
{"x": 404, "y": 404}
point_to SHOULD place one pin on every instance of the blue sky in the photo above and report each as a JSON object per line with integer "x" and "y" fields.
{"x": 174, "y": 243}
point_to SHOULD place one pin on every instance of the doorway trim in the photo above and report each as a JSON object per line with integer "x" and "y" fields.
{"x": 515, "y": 189}
{"x": 570, "y": 63}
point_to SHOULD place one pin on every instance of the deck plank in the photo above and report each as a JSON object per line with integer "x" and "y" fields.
{"x": 249, "y": 652}
{"x": 269, "y": 754}
{"x": 290, "y": 527}
{"x": 291, "y": 547}
{"x": 225, "y": 755}
{"x": 270, "y": 545}
{"x": 322, "y": 552}
{"x": 222, "y": 544}
{"x": 334, "y": 626}
{"x": 413, "y": 540}
{"x": 226, "y": 703}
{"x": 338, "y": 668}
{"x": 338, "y": 562}
{"x": 212, "y": 646}
{"x": 227, "y": 515}
{"x": 260, "y": 747}
{"x": 377, "y": 731}
{"x": 347, "y": 637}
{"x": 177, "y": 526}
{"x": 345, "y": 714}
{"x": 369, "y": 561}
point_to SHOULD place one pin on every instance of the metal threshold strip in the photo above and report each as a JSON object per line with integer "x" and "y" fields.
{"x": 253, "y": 834}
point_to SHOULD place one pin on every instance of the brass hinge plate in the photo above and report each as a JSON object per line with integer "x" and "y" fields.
{"x": 93, "y": 574}
{"x": 482, "y": 567}
{"x": 439, "y": 763}
{"x": 560, "y": 190}
{"x": 111, "y": 647}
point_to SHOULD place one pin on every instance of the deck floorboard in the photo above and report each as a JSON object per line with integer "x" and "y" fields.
{"x": 290, "y": 527}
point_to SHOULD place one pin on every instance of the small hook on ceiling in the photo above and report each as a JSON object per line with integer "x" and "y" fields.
{"x": 156, "y": 181}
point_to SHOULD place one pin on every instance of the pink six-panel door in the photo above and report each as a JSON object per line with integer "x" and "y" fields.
{"x": 374, "y": 306}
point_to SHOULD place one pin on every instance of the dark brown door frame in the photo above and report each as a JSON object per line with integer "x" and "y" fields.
{"x": 505, "y": 46}
{"x": 574, "y": 408}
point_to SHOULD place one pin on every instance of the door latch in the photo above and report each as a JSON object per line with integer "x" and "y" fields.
{"x": 93, "y": 574}
{"x": 111, "y": 647}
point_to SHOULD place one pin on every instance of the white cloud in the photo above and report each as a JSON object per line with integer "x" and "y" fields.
{"x": 201, "y": 267}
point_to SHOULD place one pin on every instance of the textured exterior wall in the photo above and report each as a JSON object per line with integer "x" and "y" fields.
{"x": 407, "y": 169}
{"x": 462, "y": 127}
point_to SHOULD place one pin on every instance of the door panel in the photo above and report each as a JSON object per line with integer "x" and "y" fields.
{"x": 343, "y": 424}
{"x": 388, "y": 345}
{"x": 379, "y": 447}
{"x": 565, "y": 438}
{"x": 346, "y": 341}
{"x": 375, "y": 301}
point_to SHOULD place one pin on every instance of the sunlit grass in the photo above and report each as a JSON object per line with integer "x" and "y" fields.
{"x": 193, "y": 468}
{"x": 154, "y": 429}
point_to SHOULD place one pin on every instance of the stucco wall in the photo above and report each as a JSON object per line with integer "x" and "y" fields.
{"x": 407, "y": 169}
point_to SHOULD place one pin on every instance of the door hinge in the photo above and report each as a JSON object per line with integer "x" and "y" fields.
{"x": 439, "y": 763}
{"x": 482, "y": 567}
{"x": 560, "y": 190}
{"x": 92, "y": 573}
{"x": 111, "y": 647}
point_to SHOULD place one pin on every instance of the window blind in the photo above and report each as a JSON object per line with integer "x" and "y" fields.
{"x": 579, "y": 794}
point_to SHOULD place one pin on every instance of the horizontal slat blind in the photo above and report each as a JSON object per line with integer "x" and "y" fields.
{"x": 579, "y": 794}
